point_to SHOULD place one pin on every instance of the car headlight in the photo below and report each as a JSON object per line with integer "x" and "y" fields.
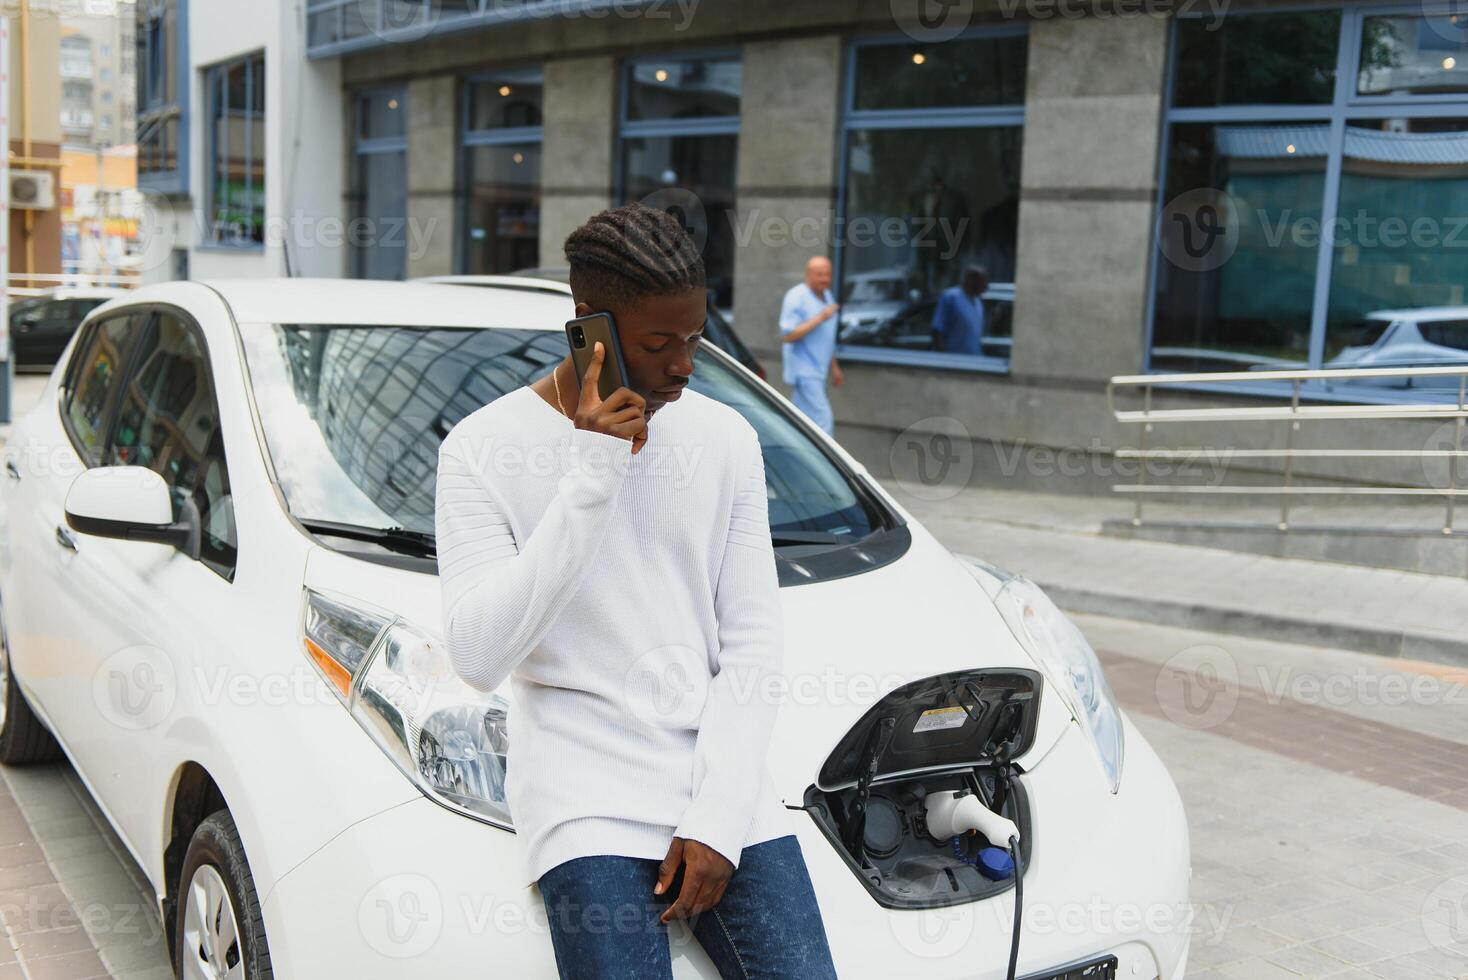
{"x": 1067, "y": 660}
{"x": 450, "y": 739}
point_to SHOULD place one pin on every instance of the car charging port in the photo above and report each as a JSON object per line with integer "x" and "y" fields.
{"x": 922, "y": 798}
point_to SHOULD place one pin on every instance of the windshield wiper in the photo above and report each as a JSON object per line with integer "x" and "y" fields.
{"x": 420, "y": 543}
{"x": 783, "y": 538}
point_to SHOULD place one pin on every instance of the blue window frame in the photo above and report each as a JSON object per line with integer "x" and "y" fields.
{"x": 234, "y": 190}
{"x": 931, "y": 139}
{"x": 1306, "y": 215}
{"x": 501, "y": 135}
{"x": 162, "y": 96}
{"x": 379, "y": 189}
{"x": 678, "y": 148}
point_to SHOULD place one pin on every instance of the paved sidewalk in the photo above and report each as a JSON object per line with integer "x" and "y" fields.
{"x": 1327, "y": 799}
{"x": 73, "y": 904}
{"x": 1057, "y": 541}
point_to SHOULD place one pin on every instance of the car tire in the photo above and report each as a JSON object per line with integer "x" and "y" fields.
{"x": 218, "y": 907}
{"x": 23, "y": 738}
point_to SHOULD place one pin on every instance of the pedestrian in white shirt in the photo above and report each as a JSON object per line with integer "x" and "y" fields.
{"x": 603, "y": 590}
{"x": 808, "y": 330}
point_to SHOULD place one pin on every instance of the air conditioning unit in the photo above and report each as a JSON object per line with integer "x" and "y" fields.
{"x": 32, "y": 190}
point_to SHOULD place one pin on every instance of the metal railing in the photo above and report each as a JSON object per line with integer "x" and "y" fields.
{"x": 1313, "y": 384}
{"x": 56, "y": 280}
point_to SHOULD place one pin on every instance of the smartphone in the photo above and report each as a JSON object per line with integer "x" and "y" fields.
{"x": 583, "y": 333}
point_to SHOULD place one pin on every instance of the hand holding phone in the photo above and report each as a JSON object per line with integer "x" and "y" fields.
{"x": 621, "y": 414}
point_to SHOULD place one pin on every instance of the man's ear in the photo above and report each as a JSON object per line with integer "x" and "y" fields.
{"x": 583, "y": 309}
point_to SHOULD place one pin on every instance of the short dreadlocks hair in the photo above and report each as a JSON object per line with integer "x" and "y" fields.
{"x": 624, "y": 255}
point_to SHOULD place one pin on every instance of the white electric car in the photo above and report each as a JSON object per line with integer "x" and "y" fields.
{"x": 218, "y": 594}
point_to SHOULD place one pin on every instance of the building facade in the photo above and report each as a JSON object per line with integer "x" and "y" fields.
{"x": 1147, "y": 186}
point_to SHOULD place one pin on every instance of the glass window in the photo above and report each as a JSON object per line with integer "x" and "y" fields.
{"x": 91, "y": 383}
{"x": 929, "y": 220}
{"x": 679, "y": 151}
{"x": 509, "y": 98}
{"x": 1238, "y": 285}
{"x": 922, "y": 206}
{"x": 1405, "y": 55}
{"x": 168, "y": 421}
{"x": 504, "y": 208}
{"x": 379, "y": 192}
{"x": 684, "y": 88}
{"x": 1242, "y": 281}
{"x": 1397, "y": 245}
{"x": 700, "y": 166}
{"x": 1287, "y": 59}
{"x": 162, "y": 117}
{"x": 965, "y": 72}
{"x": 502, "y": 170}
{"x": 236, "y": 187}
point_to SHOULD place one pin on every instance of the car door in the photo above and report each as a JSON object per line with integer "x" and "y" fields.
{"x": 53, "y": 445}
{"x": 154, "y": 615}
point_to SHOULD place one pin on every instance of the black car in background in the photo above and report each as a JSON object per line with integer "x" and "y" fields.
{"x": 41, "y": 326}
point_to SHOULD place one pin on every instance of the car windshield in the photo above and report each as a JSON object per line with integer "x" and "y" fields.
{"x": 353, "y": 417}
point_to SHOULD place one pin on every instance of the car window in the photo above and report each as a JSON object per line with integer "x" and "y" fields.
{"x": 91, "y": 382}
{"x": 168, "y": 421}
{"x": 1446, "y": 333}
{"x": 353, "y": 418}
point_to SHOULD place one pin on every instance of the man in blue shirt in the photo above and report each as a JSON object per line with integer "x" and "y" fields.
{"x": 958, "y": 322}
{"x": 808, "y": 329}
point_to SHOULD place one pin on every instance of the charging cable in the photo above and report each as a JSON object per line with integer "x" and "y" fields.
{"x": 1019, "y": 891}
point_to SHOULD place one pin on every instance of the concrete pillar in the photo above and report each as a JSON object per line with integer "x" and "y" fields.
{"x": 788, "y": 128}
{"x": 580, "y": 139}
{"x": 432, "y": 153}
{"x": 1093, "y": 104}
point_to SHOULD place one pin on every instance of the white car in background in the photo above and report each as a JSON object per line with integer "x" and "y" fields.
{"x": 1427, "y": 336}
{"x": 218, "y": 596}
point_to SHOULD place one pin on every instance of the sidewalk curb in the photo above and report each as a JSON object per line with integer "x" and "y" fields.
{"x": 1242, "y": 622}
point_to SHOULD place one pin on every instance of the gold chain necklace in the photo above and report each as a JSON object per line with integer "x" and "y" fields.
{"x": 556, "y": 379}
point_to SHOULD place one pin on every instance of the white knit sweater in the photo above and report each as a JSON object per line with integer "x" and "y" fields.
{"x": 633, "y": 604}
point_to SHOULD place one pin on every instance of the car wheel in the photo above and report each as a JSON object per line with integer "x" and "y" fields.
{"x": 22, "y": 736}
{"x": 220, "y": 929}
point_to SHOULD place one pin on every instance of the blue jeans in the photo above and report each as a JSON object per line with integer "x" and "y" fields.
{"x": 809, "y": 396}
{"x": 604, "y": 918}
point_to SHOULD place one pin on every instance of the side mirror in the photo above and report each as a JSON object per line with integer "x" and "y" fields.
{"x": 131, "y": 503}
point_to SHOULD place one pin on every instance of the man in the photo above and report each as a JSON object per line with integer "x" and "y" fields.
{"x": 808, "y": 329}
{"x": 634, "y": 605}
{"x": 958, "y": 322}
